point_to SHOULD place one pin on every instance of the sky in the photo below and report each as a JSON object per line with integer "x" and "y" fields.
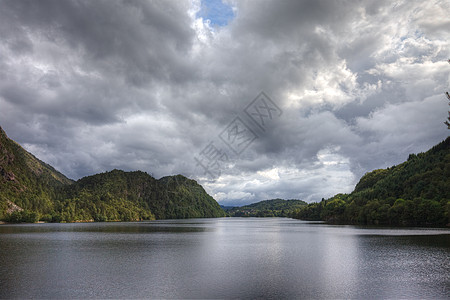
{"x": 253, "y": 99}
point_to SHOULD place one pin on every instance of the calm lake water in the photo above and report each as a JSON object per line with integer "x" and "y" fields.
{"x": 222, "y": 258}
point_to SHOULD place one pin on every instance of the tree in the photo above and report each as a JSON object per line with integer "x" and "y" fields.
{"x": 448, "y": 97}
{"x": 448, "y": 119}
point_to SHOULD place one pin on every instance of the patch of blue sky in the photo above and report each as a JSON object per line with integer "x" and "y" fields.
{"x": 216, "y": 11}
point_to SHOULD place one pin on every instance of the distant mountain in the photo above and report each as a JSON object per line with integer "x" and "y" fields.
{"x": 267, "y": 208}
{"x": 31, "y": 190}
{"x": 414, "y": 193}
{"x": 227, "y": 207}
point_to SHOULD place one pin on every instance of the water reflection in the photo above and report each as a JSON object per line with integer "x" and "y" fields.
{"x": 222, "y": 258}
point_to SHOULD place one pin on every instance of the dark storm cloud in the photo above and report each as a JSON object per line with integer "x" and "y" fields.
{"x": 77, "y": 64}
{"x": 89, "y": 86}
{"x": 99, "y": 51}
{"x": 106, "y": 33}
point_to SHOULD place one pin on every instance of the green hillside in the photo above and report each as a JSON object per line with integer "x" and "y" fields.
{"x": 414, "y": 193}
{"x": 25, "y": 181}
{"x": 127, "y": 196}
{"x": 267, "y": 208}
{"x": 31, "y": 190}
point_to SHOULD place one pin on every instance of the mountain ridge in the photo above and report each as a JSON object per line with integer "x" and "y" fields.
{"x": 32, "y": 190}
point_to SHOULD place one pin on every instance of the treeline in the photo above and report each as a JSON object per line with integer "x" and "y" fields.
{"x": 267, "y": 208}
{"x": 414, "y": 193}
{"x": 22, "y": 216}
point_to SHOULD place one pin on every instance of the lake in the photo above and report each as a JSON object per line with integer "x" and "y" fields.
{"x": 222, "y": 258}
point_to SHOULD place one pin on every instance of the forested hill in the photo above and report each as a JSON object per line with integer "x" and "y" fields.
{"x": 267, "y": 208}
{"x": 414, "y": 193}
{"x": 31, "y": 190}
{"x": 25, "y": 181}
{"x": 119, "y": 195}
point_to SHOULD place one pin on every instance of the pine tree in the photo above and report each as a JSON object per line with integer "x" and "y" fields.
{"x": 448, "y": 119}
{"x": 448, "y": 97}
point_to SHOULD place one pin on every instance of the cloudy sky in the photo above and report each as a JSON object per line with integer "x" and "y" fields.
{"x": 173, "y": 87}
